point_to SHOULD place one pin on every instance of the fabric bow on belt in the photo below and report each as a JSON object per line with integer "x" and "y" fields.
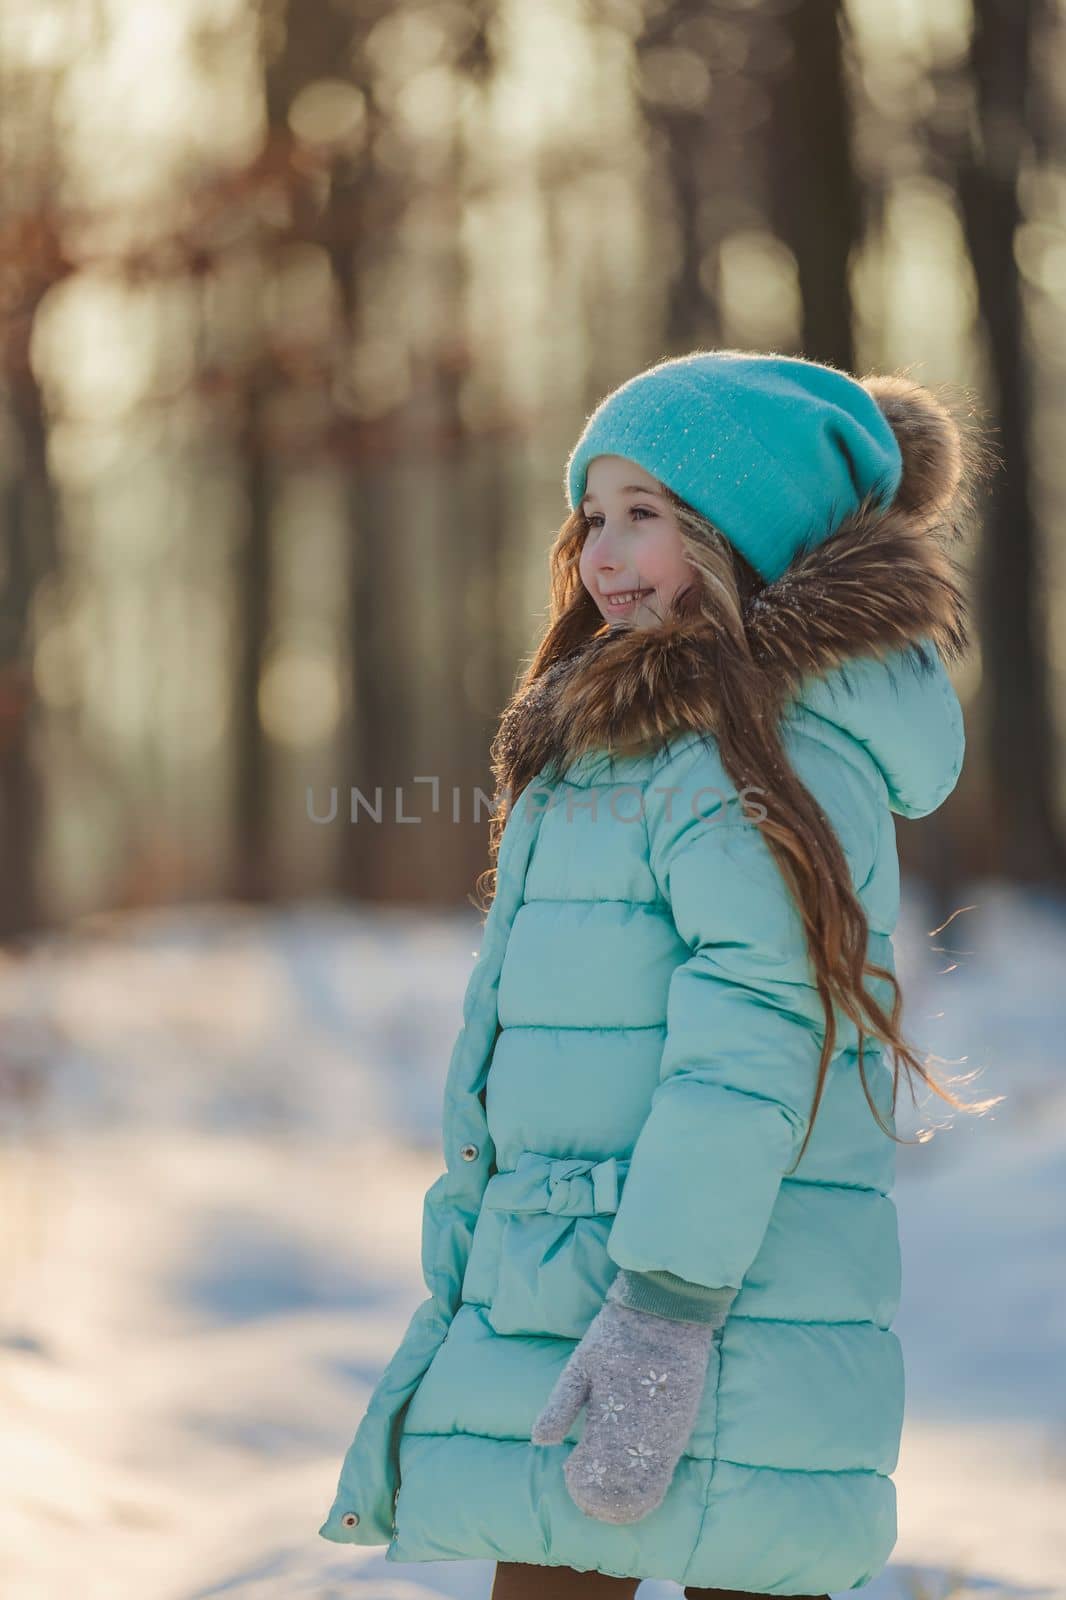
{"x": 571, "y": 1187}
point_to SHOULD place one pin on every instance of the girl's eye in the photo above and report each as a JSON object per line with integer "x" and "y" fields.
{"x": 591, "y": 516}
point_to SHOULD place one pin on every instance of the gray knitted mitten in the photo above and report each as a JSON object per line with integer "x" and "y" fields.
{"x": 642, "y": 1374}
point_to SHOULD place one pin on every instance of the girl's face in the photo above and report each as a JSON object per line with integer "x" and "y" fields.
{"x": 633, "y": 542}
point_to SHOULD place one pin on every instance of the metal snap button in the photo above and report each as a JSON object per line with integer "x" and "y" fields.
{"x": 469, "y": 1152}
{"x": 350, "y": 1519}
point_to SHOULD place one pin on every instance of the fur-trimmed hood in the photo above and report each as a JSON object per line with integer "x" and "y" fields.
{"x": 860, "y": 630}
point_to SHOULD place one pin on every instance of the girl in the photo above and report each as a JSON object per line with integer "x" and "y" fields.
{"x": 664, "y": 1259}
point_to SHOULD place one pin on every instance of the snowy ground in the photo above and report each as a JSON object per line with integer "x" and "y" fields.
{"x": 218, "y": 1130}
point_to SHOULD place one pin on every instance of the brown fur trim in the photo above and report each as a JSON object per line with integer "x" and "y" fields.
{"x": 881, "y": 582}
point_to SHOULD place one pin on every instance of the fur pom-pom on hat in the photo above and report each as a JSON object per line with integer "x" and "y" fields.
{"x": 929, "y": 440}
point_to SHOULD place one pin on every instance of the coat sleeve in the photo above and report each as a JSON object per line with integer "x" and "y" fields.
{"x": 744, "y": 1032}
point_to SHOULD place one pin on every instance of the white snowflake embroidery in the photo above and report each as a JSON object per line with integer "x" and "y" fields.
{"x": 612, "y": 1407}
{"x": 640, "y": 1454}
{"x": 655, "y": 1382}
{"x": 594, "y": 1472}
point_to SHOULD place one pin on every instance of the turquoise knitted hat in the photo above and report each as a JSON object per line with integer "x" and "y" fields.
{"x": 774, "y": 450}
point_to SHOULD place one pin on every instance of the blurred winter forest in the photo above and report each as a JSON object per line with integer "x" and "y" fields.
{"x": 303, "y": 307}
{"x": 301, "y": 310}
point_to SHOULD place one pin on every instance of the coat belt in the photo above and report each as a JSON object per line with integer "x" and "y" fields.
{"x": 573, "y": 1187}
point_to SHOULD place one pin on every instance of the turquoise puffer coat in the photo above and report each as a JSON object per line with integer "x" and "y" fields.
{"x": 633, "y": 1076}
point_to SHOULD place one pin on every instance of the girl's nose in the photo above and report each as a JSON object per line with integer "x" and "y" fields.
{"x": 606, "y": 560}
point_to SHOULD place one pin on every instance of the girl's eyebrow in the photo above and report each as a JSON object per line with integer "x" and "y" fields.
{"x": 629, "y": 488}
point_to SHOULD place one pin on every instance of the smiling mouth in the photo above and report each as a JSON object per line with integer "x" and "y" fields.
{"x": 622, "y": 602}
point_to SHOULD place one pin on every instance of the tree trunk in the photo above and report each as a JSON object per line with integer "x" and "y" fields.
{"x": 1012, "y": 584}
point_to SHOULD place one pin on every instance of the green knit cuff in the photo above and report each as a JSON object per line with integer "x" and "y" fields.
{"x": 664, "y": 1294}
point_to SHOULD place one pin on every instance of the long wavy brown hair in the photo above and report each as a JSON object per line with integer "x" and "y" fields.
{"x": 803, "y": 842}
